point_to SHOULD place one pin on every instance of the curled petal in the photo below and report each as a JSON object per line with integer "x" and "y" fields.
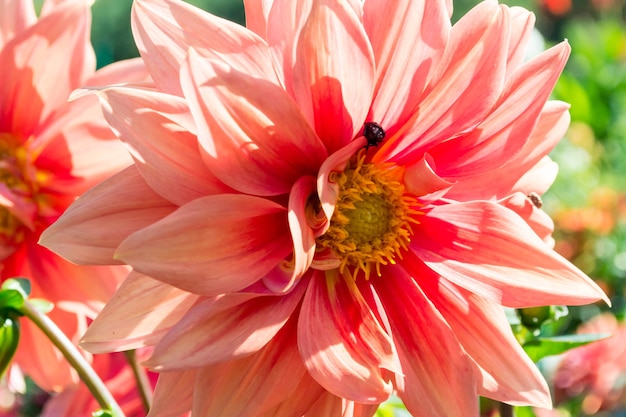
{"x": 288, "y": 272}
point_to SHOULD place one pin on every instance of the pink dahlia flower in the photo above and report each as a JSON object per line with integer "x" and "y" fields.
{"x": 328, "y": 206}
{"x": 596, "y": 371}
{"x": 51, "y": 151}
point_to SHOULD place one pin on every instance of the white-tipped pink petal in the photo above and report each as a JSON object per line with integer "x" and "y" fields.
{"x": 491, "y": 251}
{"x": 246, "y": 125}
{"x": 289, "y": 271}
{"x": 408, "y": 39}
{"x": 463, "y": 89}
{"x": 330, "y": 73}
{"x": 484, "y": 332}
{"x": 253, "y": 385}
{"x": 257, "y": 12}
{"x": 15, "y": 17}
{"x": 342, "y": 344}
{"x": 528, "y": 210}
{"x": 169, "y": 162}
{"x": 507, "y": 129}
{"x": 530, "y": 170}
{"x": 188, "y": 248}
{"x": 332, "y": 405}
{"x": 138, "y": 315}
{"x": 522, "y": 24}
{"x": 165, "y": 29}
{"x": 436, "y": 378}
{"x": 92, "y": 228}
{"x": 173, "y": 394}
{"x": 224, "y": 328}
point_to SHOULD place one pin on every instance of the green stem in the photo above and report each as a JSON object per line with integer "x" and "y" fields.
{"x": 73, "y": 356}
{"x": 506, "y": 410}
{"x": 143, "y": 383}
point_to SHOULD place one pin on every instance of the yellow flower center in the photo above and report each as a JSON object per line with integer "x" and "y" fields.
{"x": 371, "y": 225}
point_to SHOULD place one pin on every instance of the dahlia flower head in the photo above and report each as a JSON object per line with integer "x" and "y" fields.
{"x": 328, "y": 206}
{"x": 51, "y": 151}
{"x": 596, "y": 372}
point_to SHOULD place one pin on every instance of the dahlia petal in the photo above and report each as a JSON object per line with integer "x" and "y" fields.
{"x": 252, "y": 385}
{"x": 169, "y": 159}
{"x": 139, "y": 314}
{"x": 91, "y": 229}
{"x": 247, "y": 125}
{"x": 165, "y": 29}
{"x": 288, "y": 272}
{"x": 32, "y": 89}
{"x": 173, "y": 394}
{"x": 332, "y": 405}
{"x": 434, "y": 367}
{"x": 257, "y": 12}
{"x": 462, "y": 90}
{"x": 537, "y": 219}
{"x": 420, "y": 178}
{"x": 484, "y": 332}
{"x": 125, "y": 71}
{"x": 507, "y": 129}
{"x": 307, "y": 393}
{"x": 77, "y": 145}
{"x": 333, "y": 78}
{"x": 489, "y": 250}
{"x": 15, "y": 17}
{"x": 528, "y": 171}
{"x": 343, "y": 346}
{"x": 187, "y": 249}
{"x": 522, "y": 24}
{"x": 406, "y": 52}
{"x": 327, "y": 190}
{"x": 224, "y": 328}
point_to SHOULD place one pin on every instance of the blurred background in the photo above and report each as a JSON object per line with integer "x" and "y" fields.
{"x": 587, "y": 202}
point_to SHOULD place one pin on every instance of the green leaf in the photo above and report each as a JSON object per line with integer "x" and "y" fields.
{"x": 102, "y": 413}
{"x": 546, "y": 346}
{"x": 11, "y": 300}
{"x": 9, "y": 339}
{"x": 19, "y": 284}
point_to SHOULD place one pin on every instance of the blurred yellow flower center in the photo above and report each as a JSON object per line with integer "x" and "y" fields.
{"x": 371, "y": 224}
{"x": 18, "y": 190}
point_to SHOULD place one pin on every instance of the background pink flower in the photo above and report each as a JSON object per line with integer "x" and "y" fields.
{"x": 51, "y": 151}
{"x": 284, "y": 267}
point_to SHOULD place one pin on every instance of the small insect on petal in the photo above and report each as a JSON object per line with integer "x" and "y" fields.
{"x": 373, "y": 133}
{"x": 535, "y": 199}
